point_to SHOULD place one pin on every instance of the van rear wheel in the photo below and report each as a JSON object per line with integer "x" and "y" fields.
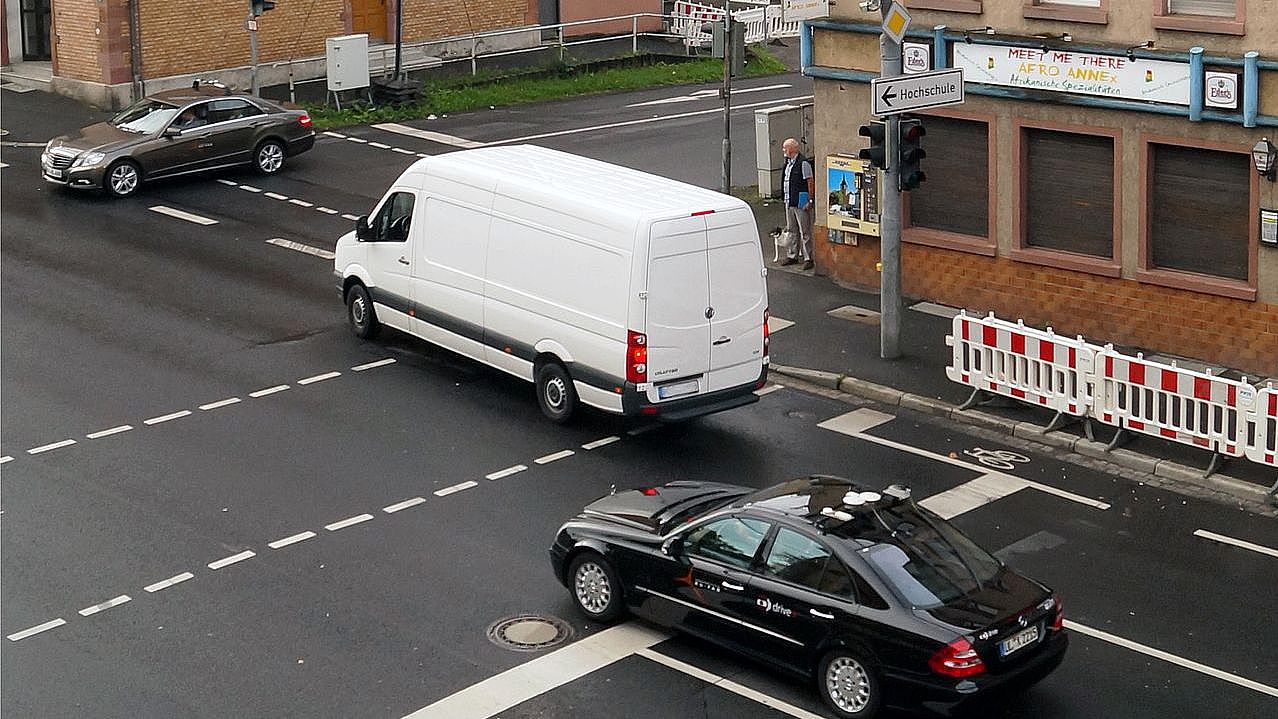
{"x": 555, "y": 393}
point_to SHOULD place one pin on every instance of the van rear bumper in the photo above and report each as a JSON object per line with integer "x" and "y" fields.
{"x": 634, "y": 403}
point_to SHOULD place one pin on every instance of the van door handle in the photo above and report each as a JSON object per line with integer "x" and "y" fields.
{"x": 731, "y": 585}
{"x": 821, "y": 614}
{"x": 722, "y": 341}
{"x": 709, "y": 312}
{"x": 403, "y": 260}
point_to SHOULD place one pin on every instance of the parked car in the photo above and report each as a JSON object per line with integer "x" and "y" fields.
{"x": 177, "y": 132}
{"x": 877, "y": 600}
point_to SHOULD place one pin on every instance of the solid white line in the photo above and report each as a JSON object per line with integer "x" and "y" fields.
{"x": 338, "y": 135}
{"x": 562, "y": 454}
{"x": 970, "y": 495}
{"x": 219, "y": 403}
{"x": 301, "y": 203}
{"x": 6, "y": 459}
{"x": 51, "y": 447}
{"x": 109, "y": 432}
{"x": 166, "y": 418}
{"x": 232, "y": 183}
{"x": 403, "y": 505}
{"x": 644, "y": 121}
{"x": 506, "y": 472}
{"x": 1049, "y": 489}
{"x": 228, "y": 561}
{"x": 379, "y": 145}
{"x": 182, "y": 215}
{"x": 402, "y": 151}
{"x": 1236, "y": 542}
{"x": 704, "y": 96}
{"x": 768, "y": 390}
{"x": 601, "y": 442}
{"x": 456, "y": 488}
{"x": 165, "y": 584}
{"x": 545, "y": 673}
{"x": 89, "y": 611}
{"x": 427, "y": 135}
{"x": 19, "y": 636}
{"x": 371, "y": 365}
{"x": 349, "y": 521}
{"x": 276, "y": 196}
{"x": 268, "y": 390}
{"x": 1172, "y": 658}
{"x": 727, "y": 684}
{"x": 327, "y": 210}
{"x": 352, "y": 218}
{"x": 299, "y": 537}
{"x": 319, "y": 378}
{"x": 299, "y": 247}
{"x": 250, "y": 188}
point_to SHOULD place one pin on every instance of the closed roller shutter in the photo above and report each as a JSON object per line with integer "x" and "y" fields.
{"x": 1069, "y": 192}
{"x": 955, "y": 197}
{"x": 1200, "y": 211}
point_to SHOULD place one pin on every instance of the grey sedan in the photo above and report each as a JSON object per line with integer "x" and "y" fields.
{"x": 176, "y": 133}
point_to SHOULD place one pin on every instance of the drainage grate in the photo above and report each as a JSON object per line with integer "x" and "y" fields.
{"x": 529, "y": 632}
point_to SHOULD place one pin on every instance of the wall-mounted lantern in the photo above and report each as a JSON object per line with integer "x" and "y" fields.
{"x": 1264, "y": 156}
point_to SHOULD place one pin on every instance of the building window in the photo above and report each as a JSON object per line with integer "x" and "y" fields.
{"x": 1199, "y": 216}
{"x": 1067, "y": 214}
{"x": 953, "y": 207}
{"x": 1214, "y": 16}
{"x": 1092, "y": 11}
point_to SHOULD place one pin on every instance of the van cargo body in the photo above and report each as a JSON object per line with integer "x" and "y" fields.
{"x": 631, "y": 293}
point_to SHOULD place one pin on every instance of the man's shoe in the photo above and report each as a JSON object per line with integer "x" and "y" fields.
{"x": 789, "y": 261}
{"x": 807, "y": 265}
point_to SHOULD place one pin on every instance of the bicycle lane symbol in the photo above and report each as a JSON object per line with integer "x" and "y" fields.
{"x": 997, "y": 458}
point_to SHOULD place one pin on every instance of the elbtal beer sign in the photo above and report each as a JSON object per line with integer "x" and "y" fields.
{"x": 1220, "y": 89}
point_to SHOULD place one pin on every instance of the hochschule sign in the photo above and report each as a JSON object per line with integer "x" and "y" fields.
{"x": 1082, "y": 73}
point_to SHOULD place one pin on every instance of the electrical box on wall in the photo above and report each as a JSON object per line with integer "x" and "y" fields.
{"x": 855, "y": 196}
{"x": 347, "y": 62}
{"x": 772, "y": 125}
{"x": 1269, "y": 227}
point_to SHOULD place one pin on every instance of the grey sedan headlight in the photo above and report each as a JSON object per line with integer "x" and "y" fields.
{"x": 89, "y": 159}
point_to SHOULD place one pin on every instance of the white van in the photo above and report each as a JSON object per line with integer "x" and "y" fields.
{"x": 628, "y": 292}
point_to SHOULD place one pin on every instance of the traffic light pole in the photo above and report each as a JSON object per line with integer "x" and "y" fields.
{"x": 725, "y": 180}
{"x": 890, "y": 221}
{"x": 252, "y": 25}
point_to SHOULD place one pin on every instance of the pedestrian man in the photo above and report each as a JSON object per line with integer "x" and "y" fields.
{"x": 799, "y": 190}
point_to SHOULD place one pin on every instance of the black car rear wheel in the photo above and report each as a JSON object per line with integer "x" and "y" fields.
{"x": 594, "y": 586}
{"x": 849, "y": 685}
{"x": 269, "y": 157}
{"x": 122, "y": 178}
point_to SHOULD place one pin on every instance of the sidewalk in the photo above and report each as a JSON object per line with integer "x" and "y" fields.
{"x": 841, "y": 350}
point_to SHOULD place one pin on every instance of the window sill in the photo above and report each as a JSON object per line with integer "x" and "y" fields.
{"x": 971, "y": 6}
{"x": 1066, "y": 13}
{"x": 950, "y": 241}
{"x": 1200, "y": 23}
{"x": 1205, "y": 284}
{"x": 1105, "y": 267}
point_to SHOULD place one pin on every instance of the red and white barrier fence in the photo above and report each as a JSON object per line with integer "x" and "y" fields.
{"x": 1262, "y": 435}
{"x": 762, "y": 22}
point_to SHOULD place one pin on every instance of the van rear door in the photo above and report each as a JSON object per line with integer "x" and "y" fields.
{"x": 738, "y": 296}
{"x": 678, "y": 289}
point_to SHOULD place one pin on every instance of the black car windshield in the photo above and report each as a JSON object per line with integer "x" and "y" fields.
{"x": 926, "y": 561}
{"x": 145, "y": 117}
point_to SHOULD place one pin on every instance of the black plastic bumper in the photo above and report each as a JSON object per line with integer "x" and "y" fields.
{"x": 634, "y": 403}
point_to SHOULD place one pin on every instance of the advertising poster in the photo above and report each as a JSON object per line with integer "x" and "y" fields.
{"x": 854, "y": 195}
{"x": 1081, "y": 73}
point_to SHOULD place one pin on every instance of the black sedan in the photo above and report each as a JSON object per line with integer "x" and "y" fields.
{"x": 178, "y": 132}
{"x": 878, "y": 600}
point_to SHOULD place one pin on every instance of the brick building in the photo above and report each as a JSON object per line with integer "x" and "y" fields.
{"x": 1093, "y": 180}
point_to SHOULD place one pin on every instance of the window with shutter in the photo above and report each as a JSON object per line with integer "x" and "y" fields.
{"x": 955, "y": 197}
{"x": 1068, "y": 180}
{"x": 1206, "y": 8}
{"x": 1200, "y": 211}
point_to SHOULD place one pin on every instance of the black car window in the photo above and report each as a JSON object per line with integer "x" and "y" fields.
{"x": 836, "y": 580}
{"x": 927, "y": 561}
{"x": 733, "y": 541}
{"x": 796, "y": 558}
{"x": 231, "y": 109}
{"x": 392, "y": 221}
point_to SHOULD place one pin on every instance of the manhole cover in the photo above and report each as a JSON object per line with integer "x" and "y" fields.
{"x": 529, "y": 632}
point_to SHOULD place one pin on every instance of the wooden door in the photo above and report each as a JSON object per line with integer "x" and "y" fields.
{"x": 369, "y": 16}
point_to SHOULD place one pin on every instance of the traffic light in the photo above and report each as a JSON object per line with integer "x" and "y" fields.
{"x": 911, "y": 153}
{"x": 257, "y": 7}
{"x": 876, "y": 153}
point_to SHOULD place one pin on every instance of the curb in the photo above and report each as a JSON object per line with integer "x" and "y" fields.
{"x": 1126, "y": 458}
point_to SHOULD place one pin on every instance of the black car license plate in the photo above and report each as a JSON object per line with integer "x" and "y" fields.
{"x": 1020, "y": 640}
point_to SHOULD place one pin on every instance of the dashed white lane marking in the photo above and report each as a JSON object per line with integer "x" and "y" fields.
{"x": 769, "y": 389}
{"x": 228, "y": 561}
{"x": 319, "y": 378}
{"x": 19, "y": 636}
{"x": 6, "y": 459}
{"x": 460, "y": 487}
{"x": 108, "y": 432}
{"x": 402, "y": 151}
{"x": 3, "y": 165}
{"x": 50, "y": 447}
{"x": 348, "y": 216}
{"x": 403, "y": 505}
{"x": 379, "y": 145}
{"x": 299, "y": 247}
{"x": 727, "y": 684}
{"x": 1172, "y": 658}
{"x": 224, "y": 181}
{"x": 268, "y": 390}
{"x": 301, "y": 203}
{"x": 427, "y": 135}
{"x": 219, "y": 403}
{"x": 423, "y": 154}
{"x": 326, "y": 210}
{"x": 555, "y": 457}
{"x": 179, "y": 214}
{"x": 338, "y": 135}
{"x": 349, "y": 521}
{"x": 970, "y": 495}
{"x": 641, "y": 430}
{"x": 371, "y": 365}
{"x": 275, "y": 196}
{"x": 776, "y": 324}
{"x": 358, "y": 139}
{"x": 545, "y": 673}
{"x": 1235, "y": 542}
{"x": 89, "y": 611}
{"x": 600, "y": 442}
{"x": 250, "y": 188}
{"x": 299, "y": 537}
{"x": 166, "y": 583}
{"x": 166, "y": 417}
{"x": 506, "y": 472}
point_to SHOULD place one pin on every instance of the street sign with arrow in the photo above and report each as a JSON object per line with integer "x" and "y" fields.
{"x": 894, "y": 95}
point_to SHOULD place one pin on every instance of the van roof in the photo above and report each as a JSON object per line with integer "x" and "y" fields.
{"x": 538, "y": 174}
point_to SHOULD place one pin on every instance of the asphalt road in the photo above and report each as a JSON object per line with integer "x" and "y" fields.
{"x": 115, "y": 315}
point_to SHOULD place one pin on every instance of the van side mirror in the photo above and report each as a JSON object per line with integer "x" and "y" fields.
{"x": 362, "y": 230}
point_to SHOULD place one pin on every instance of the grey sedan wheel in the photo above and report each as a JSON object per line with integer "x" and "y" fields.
{"x": 122, "y": 178}
{"x": 269, "y": 157}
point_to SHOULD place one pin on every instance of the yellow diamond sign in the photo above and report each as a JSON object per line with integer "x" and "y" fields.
{"x": 895, "y": 22}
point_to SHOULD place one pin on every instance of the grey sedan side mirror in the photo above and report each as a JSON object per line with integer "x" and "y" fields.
{"x": 172, "y": 131}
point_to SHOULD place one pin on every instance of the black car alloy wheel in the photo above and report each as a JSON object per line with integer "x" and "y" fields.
{"x": 594, "y": 586}
{"x": 122, "y": 178}
{"x": 269, "y": 157}
{"x": 359, "y": 312}
{"x": 848, "y": 684}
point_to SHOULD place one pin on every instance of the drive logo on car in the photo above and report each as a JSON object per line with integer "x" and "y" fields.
{"x": 767, "y": 605}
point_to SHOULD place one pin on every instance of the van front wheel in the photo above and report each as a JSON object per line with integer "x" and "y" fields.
{"x": 555, "y": 393}
{"x": 359, "y": 312}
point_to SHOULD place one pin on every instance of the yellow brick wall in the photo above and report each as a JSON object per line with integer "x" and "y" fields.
{"x": 76, "y": 43}
{"x": 428, "y": 19}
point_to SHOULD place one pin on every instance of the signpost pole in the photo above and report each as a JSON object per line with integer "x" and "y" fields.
{"x": 890, "y": 221}
{"x": 725, "y": 181}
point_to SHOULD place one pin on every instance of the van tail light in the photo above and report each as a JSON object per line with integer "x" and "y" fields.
{"x": 1058, "y": 618}
{"x": 957, "y": 659}
{"x": 766, "y": 334}
{"x": 636, "y": 357}
{"x": 304, "y": 120}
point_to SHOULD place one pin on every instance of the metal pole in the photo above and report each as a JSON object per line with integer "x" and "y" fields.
{"x": 253, "y": 52}
{"x": 890, "y": 222}
{"x": 399, "y": 38}
{"x": 725, "y": 182}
